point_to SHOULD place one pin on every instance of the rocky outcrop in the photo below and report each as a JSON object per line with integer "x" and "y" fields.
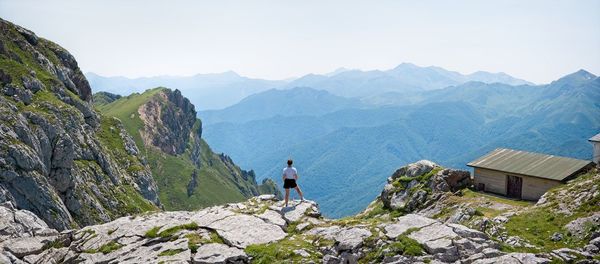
{"x": 419, "y": 184}
{"x": 168, "y": 120}
{"x": 59, "y": 158}
{"x": 213, "y": 235}
{"x": 166, "y": 129}
{"x": 257, "y": 230}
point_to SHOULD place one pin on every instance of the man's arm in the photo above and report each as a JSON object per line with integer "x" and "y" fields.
{"x": 295, "y": 174}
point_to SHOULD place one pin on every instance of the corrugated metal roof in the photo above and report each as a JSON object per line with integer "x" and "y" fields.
{"x": 529, "y": 163}
{"x": 595, "y": 138}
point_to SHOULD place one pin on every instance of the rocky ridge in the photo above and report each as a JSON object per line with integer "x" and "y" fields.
{"x": 165, "y": 128}
{"x": 59, "y": 158}
{"x": 258, "y": 230}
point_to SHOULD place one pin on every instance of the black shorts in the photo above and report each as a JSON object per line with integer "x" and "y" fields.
{"x": 289, "y": 183}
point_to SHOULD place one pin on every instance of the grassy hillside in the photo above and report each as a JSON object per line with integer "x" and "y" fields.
{"x": 218, "y": 179}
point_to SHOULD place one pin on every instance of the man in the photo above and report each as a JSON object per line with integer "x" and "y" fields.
{"x": 290, "y": 175}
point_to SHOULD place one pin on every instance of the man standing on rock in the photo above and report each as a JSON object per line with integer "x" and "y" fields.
{"x": 290, "y": 175}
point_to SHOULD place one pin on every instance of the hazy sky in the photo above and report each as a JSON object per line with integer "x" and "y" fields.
{"x": 535, "y": 40}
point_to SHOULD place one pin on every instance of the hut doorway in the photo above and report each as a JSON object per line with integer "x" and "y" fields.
{"x": 514, "y": 186}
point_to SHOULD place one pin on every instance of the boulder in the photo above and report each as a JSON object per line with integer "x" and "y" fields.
{"x": 514, "y": 258}
{"x": 23, "y": 246}
{"x": 328, "y": 232}
{"x": 218, "y": 253}
{"x": 244, "y": 230}
{"x": 415, "y": 169}
{"x": 350, "y": 239}
{"x": 578, "y": 226}
{"x": 296, "y": 210}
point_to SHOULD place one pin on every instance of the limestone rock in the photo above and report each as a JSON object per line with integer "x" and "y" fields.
{"x": 514, "y": 258}
{"x": 218, "y": 253}
{"x": 272, "y": 217}
{"x": 350, "y": 239}
{"x": 243, "y": 230}
{"x": 406, "y": 222}
{"x": 296, "y": 210}
{"x": 578, "y": 226}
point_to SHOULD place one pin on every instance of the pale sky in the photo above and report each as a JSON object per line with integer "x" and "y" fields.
{"x": 535, "y": 40}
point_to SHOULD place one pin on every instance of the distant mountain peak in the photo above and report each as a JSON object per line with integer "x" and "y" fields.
{"x": 578, "y": 76}
{"x": 406, "y": 65}
{"x": 337, "y": 71}
{"x": 584, "y": 74}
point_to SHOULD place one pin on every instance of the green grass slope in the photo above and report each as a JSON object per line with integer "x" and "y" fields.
{"x": 219, "y": 180}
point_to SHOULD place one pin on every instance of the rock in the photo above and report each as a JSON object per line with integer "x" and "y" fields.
{"x": 350, "y": 239}
{"x": 441, "y": 245}
{"x": 349, "y": 258}
{"x": 52, "y": 255}
{"x": 302, "y": 226}
{"x": 29, "y": 36}
{"x": 450, "y": 180}
{"x": 491, "y": 252}
{"x": 54, "y": 163}
{"x": 568, "y": 254}
{"x": 326, "y": 232}
{"x": 415, "y": 169}
{"x": 296, "y": 210}
{"x": 406, "y": 222}
{"x": 595, "y": 242}
{"x": 556, "y": 236}
{"x": 7, "y": 257}
{"x": 24, "y": 246}
{"x": 267, "y": 197}
{"x": 243, "y": 230}
{"x": 32, "y": 84}
{"x": 462, "y": 215}
{"x": 330, "y": 259}
{"x": 272, "y": 217}
{"x": 219, "y": 253}
{"x": 21, "y": 223}
{"x": 591, "y": 249}
{"x": 514, "y": 258}
{"x": 578, "y": 226}
{"x": 416, "y": 200}
{"x": 302, "y": 253}
{"x": 168, "y": 120}
{"x": 466, "y": 232}
{"x": 433, "y": 232}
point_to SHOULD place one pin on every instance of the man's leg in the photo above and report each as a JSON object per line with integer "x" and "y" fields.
{"x": 300, "y": 193}
{"x": 287, "y": 196}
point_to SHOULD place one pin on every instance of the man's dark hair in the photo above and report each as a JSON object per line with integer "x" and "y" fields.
{"x": 290, "y": 162}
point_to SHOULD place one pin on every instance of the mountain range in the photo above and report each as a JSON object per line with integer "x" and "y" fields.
{"x": 346, "y": 153}
{"x": 220, "y": 90}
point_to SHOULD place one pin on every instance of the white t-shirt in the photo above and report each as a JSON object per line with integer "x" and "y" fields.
{"x": 289, "y": 172}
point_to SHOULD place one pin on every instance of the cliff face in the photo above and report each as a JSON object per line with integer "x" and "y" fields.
{"x": 188, "y": 173}
{"x": 168, "y": 120}
{"x": 59, "y": 158}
